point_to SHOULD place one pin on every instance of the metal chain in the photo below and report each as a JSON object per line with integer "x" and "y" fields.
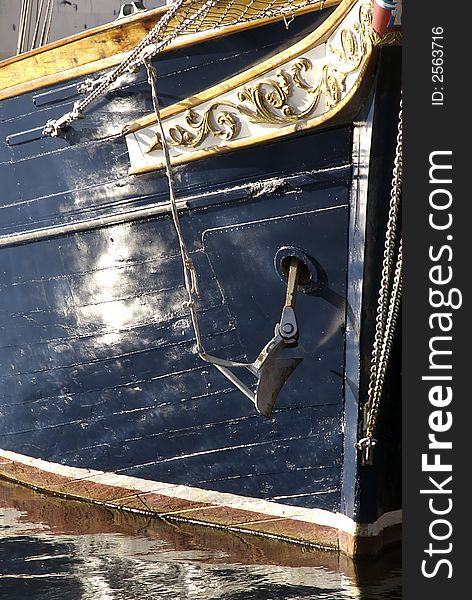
{"x": 190, "y": 273}
{"x": 392, "y": 316}
{"x": 387, "y": 308}
{"x": 389, "y": 247}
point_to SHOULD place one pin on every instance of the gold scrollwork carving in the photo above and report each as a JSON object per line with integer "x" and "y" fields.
{"x": 389, "y": 39}
{"x": 271, "y": 101}
{"x": 355, "y": 41}
{"x": 220, "y": 123}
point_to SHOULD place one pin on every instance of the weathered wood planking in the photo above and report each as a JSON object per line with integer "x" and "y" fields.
{"x": 97, "y": 365}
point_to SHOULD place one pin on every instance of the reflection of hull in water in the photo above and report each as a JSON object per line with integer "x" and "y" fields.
{"x": 69, "y": 540}
{"x": 97, "y": 362}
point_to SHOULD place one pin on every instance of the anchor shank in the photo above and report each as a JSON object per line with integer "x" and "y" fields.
{"x": 291, "y": 294}
{"x": 271, "y": 368}
{"x": 288, "y": 328}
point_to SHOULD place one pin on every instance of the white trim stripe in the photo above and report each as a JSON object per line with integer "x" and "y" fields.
{"x": 135, "y": 485}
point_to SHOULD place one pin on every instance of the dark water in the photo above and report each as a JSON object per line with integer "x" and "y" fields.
{"x": 52, "y": 549}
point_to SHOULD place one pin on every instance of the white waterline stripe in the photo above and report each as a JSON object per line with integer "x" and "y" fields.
{"x": 315, "y": 516}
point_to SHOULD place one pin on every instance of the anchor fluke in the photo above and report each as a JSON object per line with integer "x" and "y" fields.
{"x": 270, "y": 368}
{"x": 275, "y": 374}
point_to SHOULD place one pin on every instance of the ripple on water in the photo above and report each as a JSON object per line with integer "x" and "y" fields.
{"x": 51, "y": 548}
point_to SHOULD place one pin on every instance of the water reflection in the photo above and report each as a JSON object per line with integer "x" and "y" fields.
{"x": 52, "y": 549}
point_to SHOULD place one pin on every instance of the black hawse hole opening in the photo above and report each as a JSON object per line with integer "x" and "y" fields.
{"x": 308, "y": 277}
{"x": 304, "y": 275}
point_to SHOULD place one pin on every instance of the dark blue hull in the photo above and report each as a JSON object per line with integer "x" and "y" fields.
{"x": 97, "y": 361}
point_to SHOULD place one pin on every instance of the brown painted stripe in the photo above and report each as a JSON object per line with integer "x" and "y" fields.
{"x": 69, "y": 517}
{"x": 183, "y": 503}
{"x": 326, "y": 537}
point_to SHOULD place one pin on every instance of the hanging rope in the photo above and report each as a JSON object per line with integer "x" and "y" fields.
{"x": 47, "y": 24}
{"x": 263, "y": 398}
{"x": 388, "y": 306}
{"x": 25, "y": 6}
{"x": 36, "y": 28}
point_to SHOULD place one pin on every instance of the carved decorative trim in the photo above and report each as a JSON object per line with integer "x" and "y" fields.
{"x": 389, "y": 39}
{"x": 305, "y": 91}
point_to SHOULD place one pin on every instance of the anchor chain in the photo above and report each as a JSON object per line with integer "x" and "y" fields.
{"x": 388, "y": 307}
{"x": 190, "y": 273}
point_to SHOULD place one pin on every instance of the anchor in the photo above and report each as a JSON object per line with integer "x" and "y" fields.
{"x": 270, "y": 368}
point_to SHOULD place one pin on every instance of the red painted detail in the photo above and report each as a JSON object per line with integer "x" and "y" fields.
{"x": 383, "y": 20}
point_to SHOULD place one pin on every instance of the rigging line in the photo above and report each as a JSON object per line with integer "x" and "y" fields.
{"x": 21, "y": 23}
{"x": 29, "y": 18}
{"x": 47, "y": 23}
{"x": 190, "y": 274}
{"x": 156, "y": 40}
{"x": 38, "y": 21}
{"x": 54, "y": 127}
{"x": 153, "y": 35}
{"x": 23, "y": 26}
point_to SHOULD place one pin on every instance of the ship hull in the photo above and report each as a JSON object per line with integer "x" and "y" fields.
{"x": 103, "y": 395}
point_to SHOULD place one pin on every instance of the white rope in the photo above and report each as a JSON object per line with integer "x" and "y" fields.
{"x": 188, "y": 13}
{"x": 25, "y": 7}
{"x": 38, "y": 21}
{"x": 21, "y": 20}
{"x": 34, "y": 24}
{"x": 47, "y": 24}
